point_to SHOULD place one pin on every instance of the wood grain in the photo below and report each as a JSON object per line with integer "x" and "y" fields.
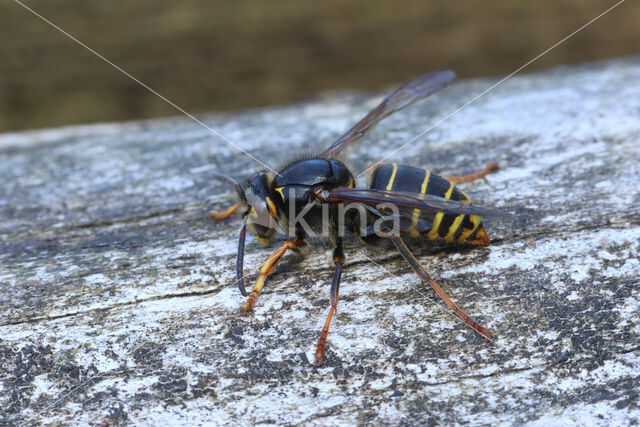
{"x": 117, "y": 302}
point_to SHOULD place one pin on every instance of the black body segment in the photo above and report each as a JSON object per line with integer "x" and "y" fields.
{"x": 296, "y": 184}
{"x": 314, "y": 171}
{"x": 445, "y": 228}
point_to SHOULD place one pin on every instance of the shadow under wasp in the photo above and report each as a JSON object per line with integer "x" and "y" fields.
{"x": 428, "y": 208}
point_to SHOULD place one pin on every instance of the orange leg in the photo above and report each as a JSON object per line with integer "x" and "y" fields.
{"x": 491, "y": 167}
{"x": 219, "y": 216}
{"x": 338, "y": 260}
{"x": 425, "y": 277}
{"x": 322, "y": 341}
{"x": 266, "y": 269}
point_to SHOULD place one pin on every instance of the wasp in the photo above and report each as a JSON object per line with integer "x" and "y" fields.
{"x": 314, "y": 189}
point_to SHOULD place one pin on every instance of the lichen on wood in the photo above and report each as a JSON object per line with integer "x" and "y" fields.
{"x": 118, "y": 302}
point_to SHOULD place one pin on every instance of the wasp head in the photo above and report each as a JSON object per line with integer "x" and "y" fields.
{"x": 258, "y": 206}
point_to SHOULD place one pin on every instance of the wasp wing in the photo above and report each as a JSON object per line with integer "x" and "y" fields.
{"x": 418, "y": 88}
{"x": 404, "y": 201}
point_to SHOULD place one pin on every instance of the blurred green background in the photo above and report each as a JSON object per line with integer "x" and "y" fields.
{"x": 227, "y": 55}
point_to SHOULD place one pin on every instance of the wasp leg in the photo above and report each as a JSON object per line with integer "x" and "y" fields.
{"x": 219, "y": 216}
{"x": 425, "y": 277}
{"x": 338, "y": 260}
{"x": 491, "y": 167}
{"x": 266, "y": 269}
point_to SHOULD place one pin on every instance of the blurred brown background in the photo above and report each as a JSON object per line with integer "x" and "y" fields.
{"x": 227, "y": 55}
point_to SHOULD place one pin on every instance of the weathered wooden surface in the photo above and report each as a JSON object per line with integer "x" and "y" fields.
{"x": 116, "y": 301}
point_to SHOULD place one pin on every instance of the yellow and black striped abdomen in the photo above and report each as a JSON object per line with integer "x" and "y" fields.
{"x": 445, "y": 228}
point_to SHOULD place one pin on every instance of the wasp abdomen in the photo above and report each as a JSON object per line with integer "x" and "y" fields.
{"x": 445, "y": 228}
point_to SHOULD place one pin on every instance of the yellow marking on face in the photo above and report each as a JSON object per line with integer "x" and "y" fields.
{"x": 263, "y": 241}
{"x": 413, "y": 231}
{"x": 251, "y": 227}
{"x": 352, "y": 182}
{"x": 280, "y": 190}
{"x": 393, "y": 177}
{"x": 272, "y": 207}
{"x": 433, "y": 233}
